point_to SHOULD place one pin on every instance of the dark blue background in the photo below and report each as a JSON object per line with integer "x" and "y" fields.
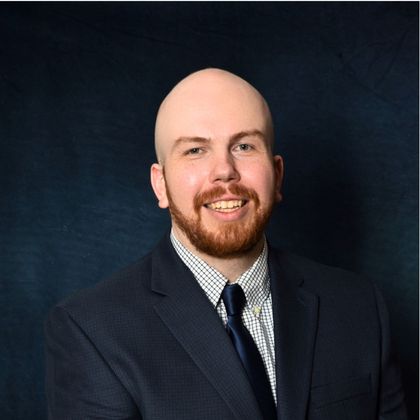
{"x": 79, "y": 87}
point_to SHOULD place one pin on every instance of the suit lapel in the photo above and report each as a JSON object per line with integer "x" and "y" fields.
{"x": 295, "y": 313}
{"x": 190, "y": 317}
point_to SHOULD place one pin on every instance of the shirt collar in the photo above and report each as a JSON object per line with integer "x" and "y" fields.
{"x": 254, "y": 281}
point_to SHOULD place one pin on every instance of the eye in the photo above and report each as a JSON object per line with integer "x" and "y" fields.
{"x": 194, "y": 151}
{"x": 243, "y": 147}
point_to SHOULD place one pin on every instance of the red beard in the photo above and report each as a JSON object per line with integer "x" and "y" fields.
{"x": 232, "y": 238}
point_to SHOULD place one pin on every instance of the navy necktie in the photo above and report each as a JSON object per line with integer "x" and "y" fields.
{"x": 234, "y": 299}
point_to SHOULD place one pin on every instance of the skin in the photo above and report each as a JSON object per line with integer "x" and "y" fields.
{"x": 214, "y": 129}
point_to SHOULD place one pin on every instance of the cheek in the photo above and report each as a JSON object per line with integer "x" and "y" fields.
{"x": 184, "y": 184}
{"x": 191, "y": 179}
{"x": 261, "y": 179}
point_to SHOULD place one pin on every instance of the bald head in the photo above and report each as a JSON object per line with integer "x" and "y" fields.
{"x": 210, "y": 103}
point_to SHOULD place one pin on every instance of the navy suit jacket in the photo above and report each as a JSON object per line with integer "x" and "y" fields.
{"x": 147, "y": 344}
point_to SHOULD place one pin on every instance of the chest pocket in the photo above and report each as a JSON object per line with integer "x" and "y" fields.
{"x": 349, "y": 399}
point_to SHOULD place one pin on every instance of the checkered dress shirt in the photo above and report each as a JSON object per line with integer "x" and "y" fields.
{"x": 257, "y": 315}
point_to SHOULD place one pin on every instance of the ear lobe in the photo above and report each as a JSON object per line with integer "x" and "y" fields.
{"x": 279, "y": 172}
{"x": 159, "y": 185}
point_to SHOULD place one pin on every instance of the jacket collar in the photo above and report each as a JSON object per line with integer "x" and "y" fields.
{"x": 191, "y": 318}
{"x": 295, "y": 314}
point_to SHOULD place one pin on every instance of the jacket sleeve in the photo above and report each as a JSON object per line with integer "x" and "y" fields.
{"x": 79, "y": 382}
{"x": 391, "y": 394}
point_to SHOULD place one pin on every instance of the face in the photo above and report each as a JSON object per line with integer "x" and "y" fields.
{"x": 218, "y": 177}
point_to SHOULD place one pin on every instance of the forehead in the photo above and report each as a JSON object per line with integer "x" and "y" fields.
{"x": 210, "y": 110}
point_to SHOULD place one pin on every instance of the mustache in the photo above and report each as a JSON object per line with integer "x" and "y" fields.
{"x": 213, "y": 194}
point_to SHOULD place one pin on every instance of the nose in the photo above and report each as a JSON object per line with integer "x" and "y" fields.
{"x": 224, "y": 169}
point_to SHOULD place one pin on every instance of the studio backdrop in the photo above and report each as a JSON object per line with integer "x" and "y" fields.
{"x": 80, "y": 84}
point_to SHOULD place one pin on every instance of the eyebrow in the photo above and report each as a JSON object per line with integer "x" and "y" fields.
{"x": 250, "y": 133}
{"x": 182, "y": 140}
{"x": 204, "y": 140}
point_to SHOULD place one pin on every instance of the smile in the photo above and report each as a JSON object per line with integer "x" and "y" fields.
{"x": 226, "y": 206}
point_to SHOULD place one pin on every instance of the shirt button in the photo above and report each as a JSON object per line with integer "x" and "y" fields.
{"x": 256, "y": 310}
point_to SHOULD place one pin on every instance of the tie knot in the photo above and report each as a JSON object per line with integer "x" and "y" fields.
{"x": 234, "y": 299}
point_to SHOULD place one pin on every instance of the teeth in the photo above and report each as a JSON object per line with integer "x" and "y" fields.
{"x": 226, "y": 205}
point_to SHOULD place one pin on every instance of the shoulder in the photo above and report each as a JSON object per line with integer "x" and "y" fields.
{"x": 327, "y": 282}
{"x": 350, "y": 307}
{"x": 113, "y": 297}
{"x": 128, "y": 292}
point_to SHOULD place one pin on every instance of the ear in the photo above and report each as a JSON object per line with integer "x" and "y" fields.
{"x": 279, "y": 171}
{"x": 159, "y": 185}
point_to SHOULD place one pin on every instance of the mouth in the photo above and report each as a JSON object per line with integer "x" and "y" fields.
{"x": 226, "y": 206}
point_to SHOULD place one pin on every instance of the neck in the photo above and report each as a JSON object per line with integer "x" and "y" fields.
{"x": 231, "y": 267}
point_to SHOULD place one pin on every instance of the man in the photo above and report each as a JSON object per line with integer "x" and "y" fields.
{"x": 215, "y": 324}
